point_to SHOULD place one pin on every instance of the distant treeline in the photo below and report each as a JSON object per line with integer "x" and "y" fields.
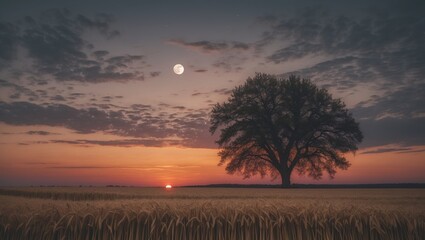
{"x": 380, "y": 185}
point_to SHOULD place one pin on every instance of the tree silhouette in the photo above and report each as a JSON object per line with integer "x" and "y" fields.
{"x": 274, "y": 126}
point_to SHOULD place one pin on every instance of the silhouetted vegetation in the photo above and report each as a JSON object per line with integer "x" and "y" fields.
{"x": 274, "y": 126}
{"x": 312, "y": 186}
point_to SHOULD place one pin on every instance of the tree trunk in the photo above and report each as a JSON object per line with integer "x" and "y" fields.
{"x": 286, "y": 179}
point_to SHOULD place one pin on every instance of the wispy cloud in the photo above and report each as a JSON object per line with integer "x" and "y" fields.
{"x": 220, "y": 91}
{"x": 41, "y": 163}
{"x": 169, "y": 125}
{"x": 400, "y": 150}
{"x": 121, "y": 142}
{"x": 386, "y": 150}
{"x": 55, "y": 41}
{"x": 42, "y": 133}
{"x": 146, "y": 168}
{"x": 210, "y": 46}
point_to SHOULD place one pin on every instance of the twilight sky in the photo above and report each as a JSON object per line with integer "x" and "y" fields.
{"x": 88, "y": 95}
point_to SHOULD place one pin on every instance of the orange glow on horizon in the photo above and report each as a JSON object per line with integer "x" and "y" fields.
{"x": 168, "y": 186}
{"x": 65, "y": 164}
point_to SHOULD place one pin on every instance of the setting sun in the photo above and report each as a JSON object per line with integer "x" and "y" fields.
{"x": 168, "y": 186}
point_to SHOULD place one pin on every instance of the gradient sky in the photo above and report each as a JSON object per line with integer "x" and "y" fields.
{"x": 88, "y": 95}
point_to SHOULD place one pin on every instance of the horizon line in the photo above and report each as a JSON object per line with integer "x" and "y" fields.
{"x": 241, "y": 185}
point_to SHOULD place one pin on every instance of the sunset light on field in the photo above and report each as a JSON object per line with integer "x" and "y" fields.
{"x": 168, "y": 186}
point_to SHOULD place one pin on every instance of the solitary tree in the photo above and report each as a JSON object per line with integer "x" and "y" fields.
{"x": 274, "y": 126}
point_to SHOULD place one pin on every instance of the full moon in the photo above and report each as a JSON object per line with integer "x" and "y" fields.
{"x": 178, "y": 69}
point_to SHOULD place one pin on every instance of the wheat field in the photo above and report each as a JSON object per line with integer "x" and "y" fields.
{"x": 211, "y": 213}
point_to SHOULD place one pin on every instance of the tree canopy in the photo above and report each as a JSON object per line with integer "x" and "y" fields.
{"x": 271, "y": 125}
